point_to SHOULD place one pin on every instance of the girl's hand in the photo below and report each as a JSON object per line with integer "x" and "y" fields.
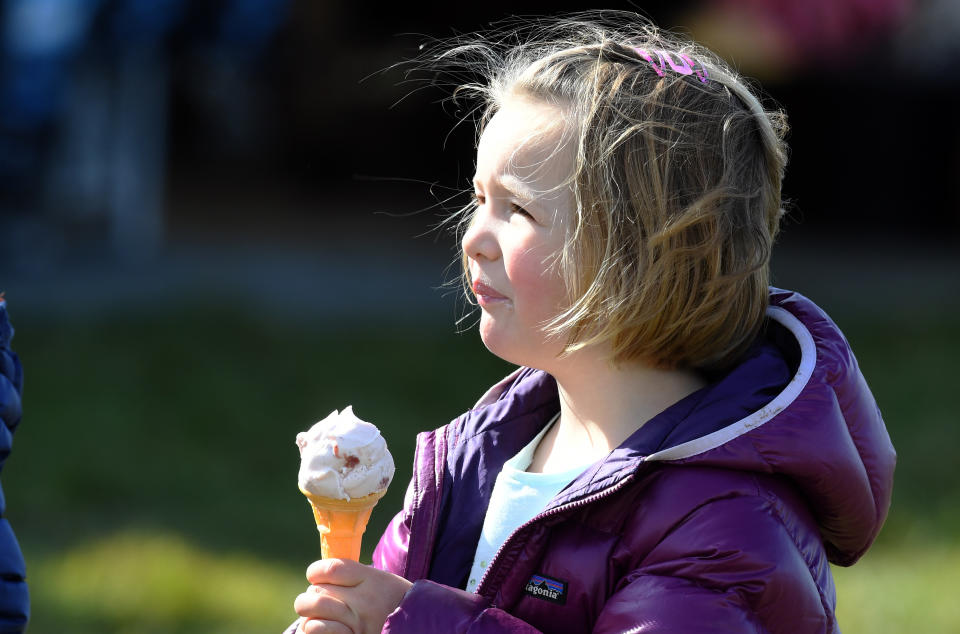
{"x": 348, "y": 598}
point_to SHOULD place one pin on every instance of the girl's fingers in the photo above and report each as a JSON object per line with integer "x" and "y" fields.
{"x": 314, "y": 626}
{"x": 357, "y": 596}
{"x": 341, "y": 572}
{"x": 317, "y": 603}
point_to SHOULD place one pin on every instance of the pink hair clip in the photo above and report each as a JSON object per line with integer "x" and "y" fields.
{"x": 686, "y": 66}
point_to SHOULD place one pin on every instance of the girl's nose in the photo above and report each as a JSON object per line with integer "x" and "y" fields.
{"x": 479, "y": 240}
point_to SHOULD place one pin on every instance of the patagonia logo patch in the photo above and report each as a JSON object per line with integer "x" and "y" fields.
{"x": 552, "y": 590}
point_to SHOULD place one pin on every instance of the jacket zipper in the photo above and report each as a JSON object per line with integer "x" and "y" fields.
{"x": 549, "y": 513}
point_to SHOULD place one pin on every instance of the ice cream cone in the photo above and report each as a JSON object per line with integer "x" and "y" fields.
{"x": 341, "y": 523}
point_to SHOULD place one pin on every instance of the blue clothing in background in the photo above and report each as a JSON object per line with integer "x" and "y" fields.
{"x": 14, "y": 599}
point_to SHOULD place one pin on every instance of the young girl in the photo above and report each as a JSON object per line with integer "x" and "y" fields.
{"x": 682, "y": 448}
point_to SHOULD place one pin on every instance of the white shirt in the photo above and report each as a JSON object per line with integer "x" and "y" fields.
{"x": 517, "y": 497}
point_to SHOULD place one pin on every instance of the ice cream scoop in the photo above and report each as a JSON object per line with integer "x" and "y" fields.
{"x": 343, "y": 457}
{"x": 345, "y": 468}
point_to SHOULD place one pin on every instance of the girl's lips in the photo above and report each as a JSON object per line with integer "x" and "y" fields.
{"x": 486, "y": 294}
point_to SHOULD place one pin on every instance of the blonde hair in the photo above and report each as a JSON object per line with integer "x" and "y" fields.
{"x": 677, "y": 183}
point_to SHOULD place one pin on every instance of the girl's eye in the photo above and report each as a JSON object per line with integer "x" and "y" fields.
{"x": 480, "y": 199}
{"x": 517, "y": 209}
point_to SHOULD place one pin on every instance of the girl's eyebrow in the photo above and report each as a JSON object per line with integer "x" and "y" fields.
{"x": 516, "y": 187}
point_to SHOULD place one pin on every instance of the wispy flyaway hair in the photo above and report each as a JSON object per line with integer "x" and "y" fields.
{"x": 677, "y": 180}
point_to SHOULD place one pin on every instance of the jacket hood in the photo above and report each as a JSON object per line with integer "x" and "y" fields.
{"x": 797, "y": 407}
{"x": 823, "y": 431}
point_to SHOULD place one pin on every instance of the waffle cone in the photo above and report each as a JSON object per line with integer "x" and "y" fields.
{"x": 341, "y": 523}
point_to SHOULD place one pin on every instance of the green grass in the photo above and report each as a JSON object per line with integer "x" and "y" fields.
{"x": 150, "y": 582}
{"x": 901, "y": 590}
{"x": 152, "y": 481}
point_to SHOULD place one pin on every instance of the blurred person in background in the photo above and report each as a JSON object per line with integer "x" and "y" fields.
{"x": 84, "y": 92}
{"x": 14, "y": 597}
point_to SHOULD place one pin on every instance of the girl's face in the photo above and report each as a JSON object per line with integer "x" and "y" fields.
{"x": 524, "y": 207}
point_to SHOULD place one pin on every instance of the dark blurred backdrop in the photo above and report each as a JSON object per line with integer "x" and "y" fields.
{"x": 130, "y": 126}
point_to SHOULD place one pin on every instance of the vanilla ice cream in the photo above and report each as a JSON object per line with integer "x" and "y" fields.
{"x": 343, "y": 457}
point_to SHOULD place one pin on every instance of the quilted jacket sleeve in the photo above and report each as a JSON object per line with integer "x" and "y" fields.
{"x": 14, "y": 600}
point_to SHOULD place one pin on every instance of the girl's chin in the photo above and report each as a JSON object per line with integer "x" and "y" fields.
{"x": 510, "y": 346}
{"x": 497, "y": 343}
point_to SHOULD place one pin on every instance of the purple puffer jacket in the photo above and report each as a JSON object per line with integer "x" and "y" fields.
{"x": 719, "y": 515}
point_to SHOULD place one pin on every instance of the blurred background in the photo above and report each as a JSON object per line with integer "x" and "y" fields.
{"x": 219, "y": 221}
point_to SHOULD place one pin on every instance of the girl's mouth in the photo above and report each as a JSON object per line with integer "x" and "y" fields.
{"x": 486, "y": 295}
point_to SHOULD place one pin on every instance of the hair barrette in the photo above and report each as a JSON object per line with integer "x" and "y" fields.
{"x": 686, "y": 66}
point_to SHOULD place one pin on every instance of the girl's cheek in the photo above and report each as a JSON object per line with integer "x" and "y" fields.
{"x": 525, "y": 267}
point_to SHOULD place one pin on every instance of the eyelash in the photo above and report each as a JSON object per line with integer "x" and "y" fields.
{"x": 479, "y": 200}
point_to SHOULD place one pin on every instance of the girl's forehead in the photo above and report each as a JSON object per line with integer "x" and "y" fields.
{"x": 525, "y": 141}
